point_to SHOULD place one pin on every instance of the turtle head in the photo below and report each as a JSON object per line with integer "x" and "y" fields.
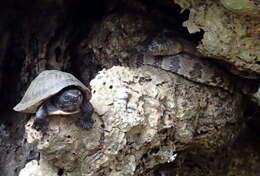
{"x": 69, "y": 99}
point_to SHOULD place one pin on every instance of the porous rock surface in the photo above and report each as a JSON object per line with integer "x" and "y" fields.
{"x": 35, "y": 168}
{"x": 144, "y": 117}
{"x": 228, "y": 35}
{"x": 243, "y": 7}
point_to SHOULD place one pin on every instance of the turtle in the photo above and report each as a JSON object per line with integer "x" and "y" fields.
{"x": 55, "y": 92}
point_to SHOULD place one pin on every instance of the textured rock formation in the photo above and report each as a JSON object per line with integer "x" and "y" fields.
{"x": 244, "y": 7}
{"x": 35, "y": 168}
{"x": 116, "y": 39}
{"x": 144, "y": 117}
{"x": 228, "y": 36}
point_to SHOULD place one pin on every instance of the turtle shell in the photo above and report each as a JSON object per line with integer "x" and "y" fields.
{"x": 45, "y": 85}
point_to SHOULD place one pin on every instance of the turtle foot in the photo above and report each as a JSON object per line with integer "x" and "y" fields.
{"x": 87, "y": 124}
{"x": 40, "y": 125}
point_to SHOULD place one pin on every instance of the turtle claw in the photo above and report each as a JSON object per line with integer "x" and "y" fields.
{"x": 39, "y": 125}
{"x": 87, "y": 124}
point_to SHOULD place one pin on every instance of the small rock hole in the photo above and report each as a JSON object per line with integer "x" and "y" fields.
{"x": 68, "y": 136}
{"x": 155, "y": 150}
{"x": 94, "y": 91}
{"x": 60, "y": 172}
{"x": 104, "y": 83}
{"x": 145, "y": 156}
{"x": 110, "y": 87}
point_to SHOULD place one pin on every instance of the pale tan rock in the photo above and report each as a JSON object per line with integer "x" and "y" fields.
{"x": 35, "y": 168}
{"x": 65, "y": 142}
{"x": 228, "y": 36}
{"x": 143, "y": 118}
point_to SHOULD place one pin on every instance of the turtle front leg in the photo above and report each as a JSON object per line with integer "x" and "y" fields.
{"x": 87, "y": 111}
{"x": 40, "y": 122}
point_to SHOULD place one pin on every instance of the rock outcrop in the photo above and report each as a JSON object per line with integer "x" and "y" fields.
{"x": 229, "y": 36}
{"x": 144, "y": 117}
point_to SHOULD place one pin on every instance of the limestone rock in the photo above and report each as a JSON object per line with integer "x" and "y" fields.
{"x": 228, "y": 36}
{"x": 65, "y": 142}
{"x": 242, "y": 6}
{"x": 34, "y": 168}
{"x": 143, "y": 118}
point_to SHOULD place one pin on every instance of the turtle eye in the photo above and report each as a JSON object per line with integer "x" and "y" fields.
{"x": 66, "y": 97}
